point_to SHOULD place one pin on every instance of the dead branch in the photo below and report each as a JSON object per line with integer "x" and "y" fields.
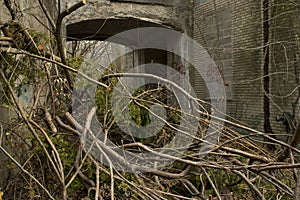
{"x": 49, "y": 18}
{"x": 78, "y": 170}
{"x": 250, "y": 184}
{"x": 62, "y": 66}
{"x": 294, "y": 143}
{"x": 10, "y": 8}
{"x": 49, "y": 120}
{"x": 297, "y": 189}
{"x": 211, "y": 183}
{"x": 6, "y": 39}
{"x": 27, "y": 122}
{"x": 26, "y": 172}
{"x": 65, "y": 126}
{"x": 58, "y": 36}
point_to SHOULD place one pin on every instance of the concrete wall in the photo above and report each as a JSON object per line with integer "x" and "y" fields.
{"x": 177, "y": 17}
{"x": 162, "y": 2}
{"x": 30, "y": 14}
{"x": 102, "y": 9}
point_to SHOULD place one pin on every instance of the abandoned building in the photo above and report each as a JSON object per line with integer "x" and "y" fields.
{"x": 243, "y": 37}
{"x": 254, "y": 44}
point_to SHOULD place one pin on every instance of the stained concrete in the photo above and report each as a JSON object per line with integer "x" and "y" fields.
{"x": 100, "y": 19}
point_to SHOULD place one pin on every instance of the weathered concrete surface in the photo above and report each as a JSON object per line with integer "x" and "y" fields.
{"x": 101, "y": 29}
{"x": 161, "y": 2}
{"x": 30, "y": 15}
{"x": 120, "y": 16}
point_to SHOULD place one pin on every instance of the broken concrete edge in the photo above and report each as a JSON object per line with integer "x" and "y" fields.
{"x": 101, "y": 29}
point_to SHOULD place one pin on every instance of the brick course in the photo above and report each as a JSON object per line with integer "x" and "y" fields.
{"x": 231, "y": 31}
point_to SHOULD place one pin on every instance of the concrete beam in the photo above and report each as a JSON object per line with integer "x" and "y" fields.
{"x": 160, "y": 2}
{"x": 159, "y": 14}
{"x": 101, "y": 29}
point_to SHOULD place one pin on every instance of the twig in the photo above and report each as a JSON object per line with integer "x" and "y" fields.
{"x": 58, "y": 36}
{"x": 97, "y": 182}
{"x": 37, "y": 98}
{"x": 54, "y": 150}
{"x": 64, "y": 67}
{"x": 22, "y": 113}
{"x": 250, "y": 184}
{"x": 271, "y": 179}
{"x": 65, "y": 126}
{"x": 49, "y": 18}
{"x": 12, "y": 11}
{"x": 6, "y": 39}
{"x": 276, "y": 166}
{"x": 26, "y": 172}
{"x": 85, "y": 130}
{"x": 246, "y": 154}
{"x": 49, "y": 120}
{"x": 297, "y": 189}
{"x": 1, "y": 134}
{"x": 79, "y": 172}
{"x": 277, "y": 183}
{"x": 211, "y": 183}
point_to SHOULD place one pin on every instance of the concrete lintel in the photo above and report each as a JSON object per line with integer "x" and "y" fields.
{"x": 101, "y": 29}
{"x": 159, "y": 2}
{"x": 160, "y": 14}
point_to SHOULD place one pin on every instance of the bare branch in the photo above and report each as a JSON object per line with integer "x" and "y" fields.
{"x": 58, "y": 35}
{"x": 49, "y": 18}
{"x": 26, "y": 172}
{"x": 10, "y": 8}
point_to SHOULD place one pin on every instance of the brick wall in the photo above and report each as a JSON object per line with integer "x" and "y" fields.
{"x": 232, "y": 33}
{"x": 212, "y": 29}
{"x": 284, "y": 66}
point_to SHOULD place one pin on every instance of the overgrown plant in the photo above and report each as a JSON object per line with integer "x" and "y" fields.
{"x": 42, "y": 155}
